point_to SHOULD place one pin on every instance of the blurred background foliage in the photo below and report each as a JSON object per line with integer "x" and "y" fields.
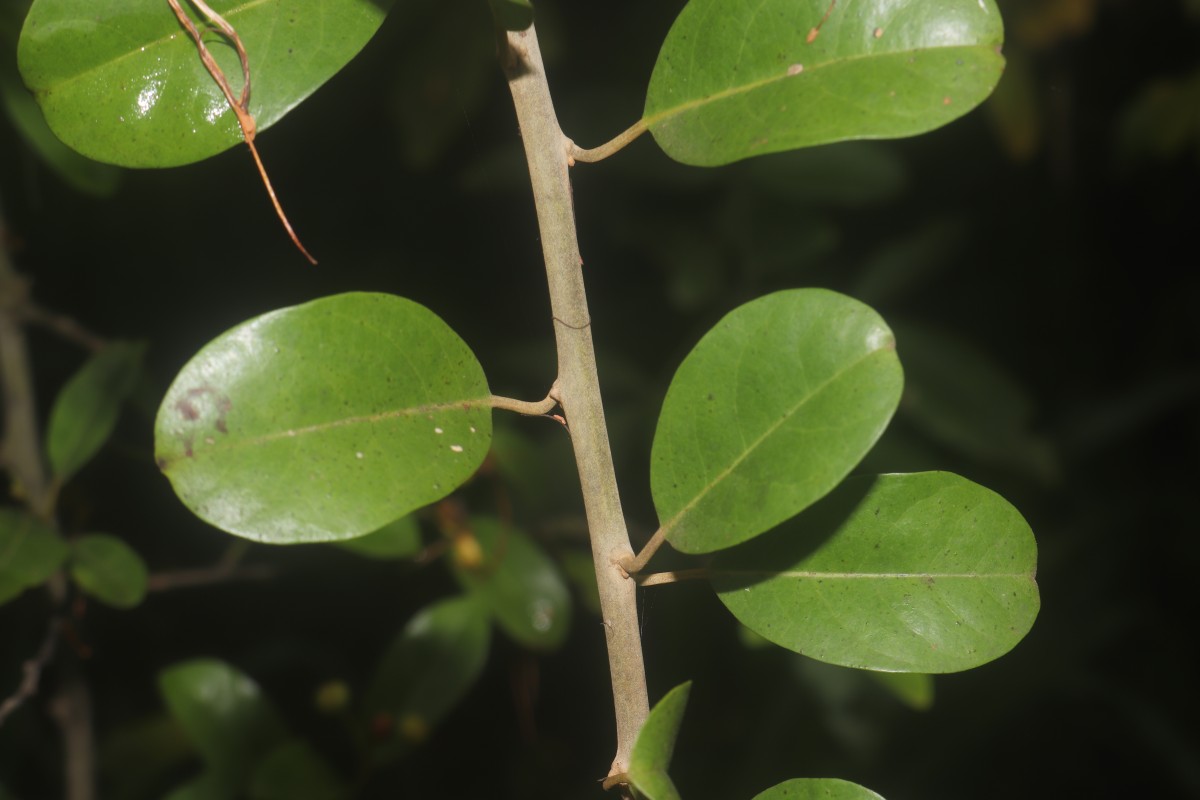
{"x": 1037, "y": 260}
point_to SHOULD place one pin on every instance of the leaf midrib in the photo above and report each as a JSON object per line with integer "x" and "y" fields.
{"x": 650, "y": 121}
{"x": 670, "y": 525}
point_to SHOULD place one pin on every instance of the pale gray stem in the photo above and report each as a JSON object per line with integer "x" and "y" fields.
{"x": 547, "y": 151}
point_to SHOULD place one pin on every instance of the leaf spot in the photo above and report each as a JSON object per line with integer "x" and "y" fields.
{"x": 795, "y": 69}
{"x": 457, "y": 448}
{"x": 878, "y": 33}
{"x": 946, "y": 100}
{"x": 438, "y": 431}
{"x": 358, "y": 454}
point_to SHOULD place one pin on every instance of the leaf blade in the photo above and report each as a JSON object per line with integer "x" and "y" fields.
{"x": 739, "y": 79}
{"x": 899, "y": 573}
{"x": 30, "y": 552}
{"x": 123, "y": 83}
{"x": 324, "y": 421}
{"x": 770, "y": 410}
{"x": 109, "y": 570}
{"x": 655, "y": 746}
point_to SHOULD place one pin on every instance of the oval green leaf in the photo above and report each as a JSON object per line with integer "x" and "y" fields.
{"x": 122, "y": 82}
{"x": 655, "y": 745}
{"x": 85, "y": 411}
{"x": 30, "y": 552}
{"x": 817, "y": 789}
{"x": 223, "y": 712}
{"x": 399, "y": 539}
{"x": 926, "y": 572}
{"x": 768, "y": 413}
{"x": 324, "y": 421}
{"x": 434, "y": 661}
{"x": 519, "y": 583}
{"x": 914, "y": 689}
{"x": 295, "y": 771}
{"x": 739, "y": 79}
{"x": 109, "y": 570}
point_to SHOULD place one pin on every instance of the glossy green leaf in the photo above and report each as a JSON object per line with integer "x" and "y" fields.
{"x": 224, "y": 713}
{"x": 656, "y": 744}
{"x": 81, "y": 173}
{"x": 399, "y": 539}
{"x": 768, "y": 413}
{"x": 430, "y": 666}
{"x": 85, "y": 411}
{"x": 30, "y": 552}
{"x": 901, "y": 573}
{"x": 324, "y": 421}
{"x": 817, "y": 789}
{"x": 519, "y": 583}
{"x": 122, "y": 82}
{"x": 109, "y": 570}
{"x": 294, "y": 771}
{"x": 741, "y": 78}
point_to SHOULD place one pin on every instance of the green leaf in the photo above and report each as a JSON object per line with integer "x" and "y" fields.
{"x": 962, "y": 399}
{"x": 768, "y": 413}
{"x": 817, "y": 789}
{"x": 430, "y": 666}
{"x": 294, "y": 771}
{"x": 914, "y": 689}
{"x": 512, "y": 15}
{"x": 209, "y": 785}
{"x": 224, "y": 713}
{"x": 324, "y": 421}
{"x": 900, "y": 573}
{"x": 81, "y": 173}
{"x": 656, "y": 744}
{"x": 399, "y": 539}
{"x": 738, "y": 79}
{"x": 30, "y": 552}
{"x": 109, "y": 570}
{"x": 518, "y": 582}
{"x": 85, "y": 411}
{"x": 122, "y": 82}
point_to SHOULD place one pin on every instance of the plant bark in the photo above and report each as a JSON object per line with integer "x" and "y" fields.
{"x": 547, "y": 151}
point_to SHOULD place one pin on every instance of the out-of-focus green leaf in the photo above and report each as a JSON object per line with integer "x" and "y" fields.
{"x": 109, "y": 570}
{"x": 512, "y": 15}
{"x": 209, "y": 785}
{"x": 817, "y": 789}
{"x": 30, "y": 552}
{"x": 430, "y": 666}
{"x": 1015, "y": 109}
{"x": 581, "y": 571}
{"x": 959, "y": 396}
{"x": 294, "y": 771}
{"x": 225, "y": 715}
{"x": 122, "y": 82}
{"x": 898, "y": 267}
{"x": 738, "y": 79}
{"x": 850, "y": 174}
{"x": 136, "y": 756}
{"x": 773, "y": 407}
{"x": 324, "y": 421}
{"x": 81, "y": 173}
{"x": 1162, "y": 121}
{"x": 399, "y": 539}
{"x": 655, "y": 745}
{"x": 85, "y": 411}
{"x": 519, "y": 584}
{"x": 914, "y": 689}
{"x": 899, "y": 573}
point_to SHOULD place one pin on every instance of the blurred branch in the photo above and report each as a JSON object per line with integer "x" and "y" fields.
{"x": 207, "y": 576}
{"x": 32, "y": 671}
{"x": 62, "y": 325}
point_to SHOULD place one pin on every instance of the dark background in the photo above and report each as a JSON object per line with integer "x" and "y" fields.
{"x": 1052, "y": 232}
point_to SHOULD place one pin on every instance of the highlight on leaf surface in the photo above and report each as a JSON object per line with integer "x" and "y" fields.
{"x": 739, "y": 79}
{"x": 120, "y": 82}
{"x": 769, "y": 412}
{"x": 926, "y": 572}
{"x": 324, "y": 421}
